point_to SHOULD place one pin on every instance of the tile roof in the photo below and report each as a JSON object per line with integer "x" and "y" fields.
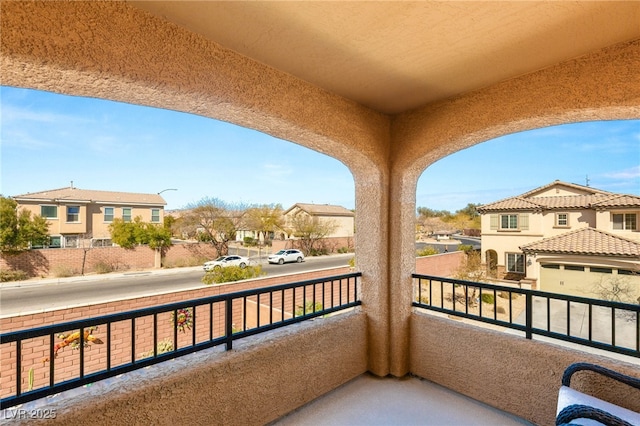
{"x": 592, "y": 199}
{"x": 88, "y": 195}
{"x": 585, "y": 241}
{"x": 322, "y": 209}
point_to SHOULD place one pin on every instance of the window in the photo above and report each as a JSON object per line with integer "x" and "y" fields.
{"x": 515, "y": 262}
{"x": 101, "y": 242}
{"x": 602, "y": 270}
{"x": 126, "y": 214}
{"x": 626, "y": 221}
{"x": 626, "y": 272}
{"x": 562, "y": 219}
{"x": 73, "y": 214}
{"x": 108, "y": 214}
{"x": 155, "y": 215}
{"x": 52, "y": 242}
{"x": 509, "y": 221}
{"x": 573, "y": 268}
{"x": 49, "y": 212}
{"x": 550, "y": 266}
{"x": 71, "y": 241}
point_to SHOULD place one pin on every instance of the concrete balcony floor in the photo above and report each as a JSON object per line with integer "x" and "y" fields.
{"x": 370, "y": 400}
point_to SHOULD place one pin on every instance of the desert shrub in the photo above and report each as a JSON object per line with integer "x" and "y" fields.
{"x": 62, "y": 271}
{"x": 424, "y": 299}
{"x": 465, "y": 248}
{"x": 505, "y": 295}
{"x": 249, "y": 241}
{"x": 308, "y": 308}
{"x": 352, "y": 262}
{"x": 487, "y": 298}
{"x": 231, "y": 273}
{"x": 6, "y": 276}
{"x": 162, "y": 347}
{"x": 427, "y": 251}
{"x": 500, "y": 310}
{"x": 319, "y": 251}
{"x": 104, "y": 268}
{"x": 343, "y": 250}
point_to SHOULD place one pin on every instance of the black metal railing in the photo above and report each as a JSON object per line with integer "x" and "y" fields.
{"x": 601, "y": 324}
{"x": 193, "y": 325}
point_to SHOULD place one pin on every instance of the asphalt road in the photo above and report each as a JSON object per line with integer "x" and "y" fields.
{"x": 40, "y": 295}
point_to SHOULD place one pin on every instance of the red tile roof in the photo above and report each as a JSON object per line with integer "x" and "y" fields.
{"x": 586, "y": 241}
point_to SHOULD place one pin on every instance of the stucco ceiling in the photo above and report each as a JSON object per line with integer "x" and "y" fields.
{"x": 397, "y": 56}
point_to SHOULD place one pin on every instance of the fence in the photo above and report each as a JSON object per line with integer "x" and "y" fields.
{"x": 110, "y": 345}
{"x": 610, "y": 326}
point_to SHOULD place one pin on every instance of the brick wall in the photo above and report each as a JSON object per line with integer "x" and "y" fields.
{"x": 440, "y": 265}
{"x": 70, "y": 261}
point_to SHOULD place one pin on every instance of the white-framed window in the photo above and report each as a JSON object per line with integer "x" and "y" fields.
{"x": 155, "y": 215}
{"x": 126, "y": 214}
{"x": 515, "y": 262}
{"x": 73, "y": 213}
{"x": 508, "y": 221}
{"x": 109, "y": 213}
{"x": 49, "y": 212}
{"x": 562, "y": 219}
{"x": 625, "y": 221}
{"x": 101, "y": 242}
{"x": 71, "y": 241}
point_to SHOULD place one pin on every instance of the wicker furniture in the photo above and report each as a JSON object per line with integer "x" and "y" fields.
{"x": 577, "y": 408}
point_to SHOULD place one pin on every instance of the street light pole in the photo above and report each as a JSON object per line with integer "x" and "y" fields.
{"x": 168, "y": 189}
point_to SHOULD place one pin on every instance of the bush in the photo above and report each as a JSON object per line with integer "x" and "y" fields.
{"x": 163, "y": 346}
{"x": 231, "y": 273}
{"x": 319, "y": 252}
{"x": 427, "y": 251}
{"x": 505, "y": 295}
{"x": 487, "y": 298}
{"x": 6, "y": 276}
{"x": 62, "y": 271}
{"x": 352, "y": 262}
{"x": 467, "y": 248}
{"x": 343, "y": 250}
{"x": 308, "y": 308}
{"x": 104, "y": 268}
{"x": 249, "y": 241}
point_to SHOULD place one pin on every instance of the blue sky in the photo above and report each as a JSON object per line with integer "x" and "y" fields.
{"x": 49, "y": 140}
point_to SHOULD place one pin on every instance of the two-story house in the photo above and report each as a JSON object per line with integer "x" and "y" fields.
{"x": 339, "y": 220}
{"x": 564, "y": 238}
{"x": 81, "y": 217}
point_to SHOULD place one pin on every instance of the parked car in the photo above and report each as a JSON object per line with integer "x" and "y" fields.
{"x": 223, "y": 261}
{"x": 284, "y": 256}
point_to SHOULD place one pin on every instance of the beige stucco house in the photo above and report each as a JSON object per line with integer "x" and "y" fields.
{"x": 564, "y": 238}
{"x": 81, "y": 217}
{"x": 387, "y": 88}
{"x": 339, "y": 220}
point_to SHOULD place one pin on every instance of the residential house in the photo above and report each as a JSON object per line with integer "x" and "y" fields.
{"x": 81, "y": 217}
{"x": 564, "y": 238}
{"x": 340, "y": 221}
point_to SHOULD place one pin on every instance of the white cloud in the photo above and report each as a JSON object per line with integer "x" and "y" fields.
{"x": 631, "y": 173}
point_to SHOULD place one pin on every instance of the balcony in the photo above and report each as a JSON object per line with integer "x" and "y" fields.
{"x": 257, "y": 366}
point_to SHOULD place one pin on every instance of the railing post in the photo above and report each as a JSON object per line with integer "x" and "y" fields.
{"x": 529, "y": 315}
{"x": 228, "y": 323}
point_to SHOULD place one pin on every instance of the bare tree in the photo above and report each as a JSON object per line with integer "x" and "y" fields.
{"x": 310, "y": 230}
{"x": 265, "y": 219}
{"x": 214, "y": 221}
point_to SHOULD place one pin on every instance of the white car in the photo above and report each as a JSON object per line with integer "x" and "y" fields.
{"x": 223, "y": 261}
{"x": 284, "y": 256}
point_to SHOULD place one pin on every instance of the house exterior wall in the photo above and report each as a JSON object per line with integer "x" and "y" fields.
{"x": 604, "y": 221}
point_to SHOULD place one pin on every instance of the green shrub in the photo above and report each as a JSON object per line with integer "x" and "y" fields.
{"x": 343, "y": 250}
{"x": 249, "y": 241}
{"x": 308, "y": 308}
{"x": 6, "y": 276}
{"x": 231, "y": 273}
{"x": 427, "y": 251}
{"x": 487, "y": 298}
{"x": 465, "y": 248}
{"x": 318, "y": 252}
{"x": 352, "y": 262}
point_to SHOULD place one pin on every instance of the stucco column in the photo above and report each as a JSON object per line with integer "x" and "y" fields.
{"x": 372, "y": 236}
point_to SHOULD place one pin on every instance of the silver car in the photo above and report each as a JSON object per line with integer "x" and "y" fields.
{"x": 222, "y": 261}
{"x": 284, "y": 256}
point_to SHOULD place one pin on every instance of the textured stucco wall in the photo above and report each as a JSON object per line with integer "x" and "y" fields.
{"x": 509, "y": 372}
{"x": 260, "y": 380}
